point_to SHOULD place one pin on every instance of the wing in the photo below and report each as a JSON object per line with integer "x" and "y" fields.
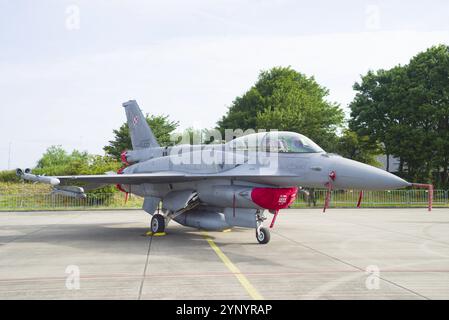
{"x": 96, "y": 181}
{"x": 252, "y": 174}
{"x": 159, "y": 177}
{"x": 137, "y": 178}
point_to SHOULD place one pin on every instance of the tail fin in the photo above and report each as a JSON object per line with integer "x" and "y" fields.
{"x": 141, "y": 135}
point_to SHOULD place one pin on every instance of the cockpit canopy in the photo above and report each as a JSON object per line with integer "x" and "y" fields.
{"x": 275, "y": 141}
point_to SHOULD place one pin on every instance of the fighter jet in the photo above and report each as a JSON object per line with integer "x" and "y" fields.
{"x": 219, "y": 186}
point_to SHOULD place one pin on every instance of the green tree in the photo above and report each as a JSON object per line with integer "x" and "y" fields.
{"x": 407, "y": 109}
{"x": 353, "y": 146}
{"x": 57, "y": 156}
{"x": 56, "y": 162}
{"x": 9, "y": 176}
{"x": 285, "y": 99}
{"x": 161, "y": 126}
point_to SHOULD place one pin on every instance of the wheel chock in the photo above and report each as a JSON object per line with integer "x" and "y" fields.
{"x": 157, "y": 234}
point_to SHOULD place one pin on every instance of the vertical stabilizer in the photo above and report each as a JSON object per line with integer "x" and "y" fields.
{"x": 141, "y": 135}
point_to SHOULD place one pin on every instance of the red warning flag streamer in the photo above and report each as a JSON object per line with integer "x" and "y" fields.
{"x": 119, "y": 186}
{"x": 123, "y": 158}
{"x": 360, "y": 199}
{"x": 328, "y": 196}
{"x": 274, "y": 218}
{"x": 429, "y": 187}
{"x": 332, "y": 176}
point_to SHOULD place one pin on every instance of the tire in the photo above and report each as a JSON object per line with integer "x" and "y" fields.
{"x": 263, "y": 236}
{"x": 157, "y": 223}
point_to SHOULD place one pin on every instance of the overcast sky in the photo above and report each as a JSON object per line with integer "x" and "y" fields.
{"x": 66, "y": 66}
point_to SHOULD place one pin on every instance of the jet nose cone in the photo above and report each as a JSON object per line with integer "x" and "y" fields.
{"x": 351, "y": 174}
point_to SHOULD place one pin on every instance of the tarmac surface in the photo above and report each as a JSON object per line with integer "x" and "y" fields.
{"x": 343, "y": 254}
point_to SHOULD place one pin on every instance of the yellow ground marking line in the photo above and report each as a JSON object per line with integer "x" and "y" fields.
{"x": 253, "y": 293}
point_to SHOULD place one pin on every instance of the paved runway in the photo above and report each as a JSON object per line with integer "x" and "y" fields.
{"x": 343, "y": 254}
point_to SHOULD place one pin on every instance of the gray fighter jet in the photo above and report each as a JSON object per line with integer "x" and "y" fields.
{"x": 220, "y": 186}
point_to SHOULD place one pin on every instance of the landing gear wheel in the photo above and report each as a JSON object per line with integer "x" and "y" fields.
{"x": 157, "y": 223}
{"x": 263, "y": 235}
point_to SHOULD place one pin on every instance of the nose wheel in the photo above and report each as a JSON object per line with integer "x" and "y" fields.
{"x": 157, "y": 223}
{"x": 262, "y": 233}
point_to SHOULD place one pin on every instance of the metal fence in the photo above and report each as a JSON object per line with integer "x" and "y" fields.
{"x": 339, "y": 198}
{"x": 389, "y": 198}
{"x": 30, "y": 202}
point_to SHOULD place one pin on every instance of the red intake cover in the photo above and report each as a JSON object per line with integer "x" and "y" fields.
{"x": 273, "y": 198}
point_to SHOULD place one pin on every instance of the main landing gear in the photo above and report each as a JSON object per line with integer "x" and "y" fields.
{"x": 157, "y": 223}
{"x": 262, "y": 233}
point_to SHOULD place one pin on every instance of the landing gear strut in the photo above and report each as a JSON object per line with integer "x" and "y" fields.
{"x": 262, "y": 233}
{"x": 157, "y": 223}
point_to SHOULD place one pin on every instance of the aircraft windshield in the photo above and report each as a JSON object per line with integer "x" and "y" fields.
{"x": 289, "y": 142}
{"x": 282, "y": 141}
